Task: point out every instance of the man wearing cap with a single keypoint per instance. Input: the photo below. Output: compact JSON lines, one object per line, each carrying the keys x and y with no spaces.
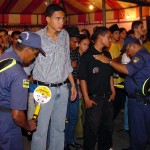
{"x":53,"y":71}
{"x":136,"y":71}
{"x":73,"y":107}
{"x":14,"y":89}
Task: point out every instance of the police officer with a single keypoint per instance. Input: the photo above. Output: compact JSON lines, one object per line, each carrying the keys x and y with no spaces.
{"x":137,"y":71}
{"x":14,"y":89}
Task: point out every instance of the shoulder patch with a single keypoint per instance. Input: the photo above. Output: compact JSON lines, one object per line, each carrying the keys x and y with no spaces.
{"x":25,"y":83}
{"x":136,"y":59}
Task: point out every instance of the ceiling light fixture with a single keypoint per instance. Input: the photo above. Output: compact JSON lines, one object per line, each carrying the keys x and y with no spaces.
{"x":91,"y":7}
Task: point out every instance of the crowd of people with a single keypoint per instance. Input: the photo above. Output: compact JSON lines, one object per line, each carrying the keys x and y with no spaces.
{"x":91,"y":78}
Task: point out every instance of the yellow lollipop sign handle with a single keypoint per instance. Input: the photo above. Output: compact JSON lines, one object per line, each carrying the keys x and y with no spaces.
{"x":42,"y":94}
{"x":36,"y":112}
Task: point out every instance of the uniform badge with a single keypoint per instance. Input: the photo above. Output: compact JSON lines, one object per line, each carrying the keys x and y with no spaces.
{"x":136,"y":59}
{"x":95,"y":70}
{"x":25,"y":83}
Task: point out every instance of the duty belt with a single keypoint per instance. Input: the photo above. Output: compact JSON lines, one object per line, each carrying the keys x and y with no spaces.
{"x":140,"y":98}
{"x":4,"y":109}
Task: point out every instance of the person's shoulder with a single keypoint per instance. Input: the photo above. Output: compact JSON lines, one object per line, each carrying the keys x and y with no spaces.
{"x":88,"y":53}
{"x":64,"y":32}
{"x":143,"y":51}
{"x":41,"y":31}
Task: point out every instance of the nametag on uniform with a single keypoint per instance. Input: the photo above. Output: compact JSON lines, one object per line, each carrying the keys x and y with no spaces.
{"x":95,"y":70}
{"x":25,"y":83}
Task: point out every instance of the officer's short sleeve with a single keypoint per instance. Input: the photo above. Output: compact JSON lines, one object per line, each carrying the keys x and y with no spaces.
{"x":135,"y":65}
{"x":83,"y":68}
{"x":19,"y":92}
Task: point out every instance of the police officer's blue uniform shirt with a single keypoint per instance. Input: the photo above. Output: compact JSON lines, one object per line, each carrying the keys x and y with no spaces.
{"x":13,"y":87}
{"x":139,"y":70}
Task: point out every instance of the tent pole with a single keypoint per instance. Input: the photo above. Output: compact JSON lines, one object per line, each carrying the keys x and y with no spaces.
{"x":104,"y":12}
{"x":140,"y":12}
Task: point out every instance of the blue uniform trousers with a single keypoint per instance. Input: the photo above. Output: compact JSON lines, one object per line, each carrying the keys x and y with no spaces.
{"x":139,"y":124}
{"x":10,"y":133}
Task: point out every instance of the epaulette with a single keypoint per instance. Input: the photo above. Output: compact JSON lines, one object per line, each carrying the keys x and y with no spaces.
{"x":8,"y":63}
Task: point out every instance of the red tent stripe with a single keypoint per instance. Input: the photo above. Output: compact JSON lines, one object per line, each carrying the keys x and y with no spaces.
{"x":6,"y":20}
{"x":71,"y":7}
{"x":1,"y":20}
{"x":13,"y":2}
{"x":82,"y":18}
{"x":2,"y":7}
{"x":32,"y":6}
{"x":113,"y":4}
{"x":43,"y":19}
{"x":98,"y":16}
{"x":25,"y":19}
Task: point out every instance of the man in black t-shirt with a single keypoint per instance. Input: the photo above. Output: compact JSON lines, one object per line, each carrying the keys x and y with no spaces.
{"x":96,"y":79}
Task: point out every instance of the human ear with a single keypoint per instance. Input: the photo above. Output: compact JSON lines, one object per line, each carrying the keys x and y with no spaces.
{"x":48,"y":19}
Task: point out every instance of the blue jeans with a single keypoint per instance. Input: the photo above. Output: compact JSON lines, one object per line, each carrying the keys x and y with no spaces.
{"x":72,"y":117}
{"x":52,"y":119}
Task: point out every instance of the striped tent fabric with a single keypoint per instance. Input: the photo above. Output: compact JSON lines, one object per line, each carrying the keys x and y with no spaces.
{"x":32,"y":11}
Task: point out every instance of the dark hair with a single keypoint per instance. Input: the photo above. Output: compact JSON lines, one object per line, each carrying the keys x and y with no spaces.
{"x":135,"y":24}
{"x":52,"y":8}
{"x":99,"y":31}
{"x":15,"y":33}
{"x":130,"y":32}
{"x":86,"y":32}
{"x":20,"y":46}
{"x":122,"y":29}
{"x":4,"y":30}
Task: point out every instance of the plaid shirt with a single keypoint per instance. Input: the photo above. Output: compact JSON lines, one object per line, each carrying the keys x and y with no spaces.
{"x":75,"y":56}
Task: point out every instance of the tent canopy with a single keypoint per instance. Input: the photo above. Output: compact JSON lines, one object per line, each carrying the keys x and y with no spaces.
{"x":70,"y":6}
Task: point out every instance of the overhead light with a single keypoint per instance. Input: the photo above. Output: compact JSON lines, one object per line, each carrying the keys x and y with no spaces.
{"x":46,"y":3}
{"x":91,"y":7}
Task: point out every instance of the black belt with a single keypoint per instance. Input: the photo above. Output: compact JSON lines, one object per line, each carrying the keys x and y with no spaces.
{"x":4,"y":109}
{"x":50,"y":84}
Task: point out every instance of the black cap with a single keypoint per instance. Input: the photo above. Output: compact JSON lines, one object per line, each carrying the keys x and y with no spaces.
{"x":114,"y":28}
{"x":73,"y":31}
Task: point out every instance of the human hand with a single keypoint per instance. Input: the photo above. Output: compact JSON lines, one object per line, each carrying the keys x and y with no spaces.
{"x":102,"y":58}
{"x":73,"y":93}
{"x":112,"y":97}
{"x":89,"y":103}
{"x":32,"y":125}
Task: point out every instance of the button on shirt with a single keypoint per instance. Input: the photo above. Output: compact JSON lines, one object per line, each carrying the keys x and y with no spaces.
{"x":12,"y":93}
{"x":55,"y":67}
{"x":139,"y":70}
{"x":96,"y":73}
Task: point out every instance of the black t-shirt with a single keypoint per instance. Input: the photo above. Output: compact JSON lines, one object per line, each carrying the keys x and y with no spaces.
{"x":95,"y":73}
